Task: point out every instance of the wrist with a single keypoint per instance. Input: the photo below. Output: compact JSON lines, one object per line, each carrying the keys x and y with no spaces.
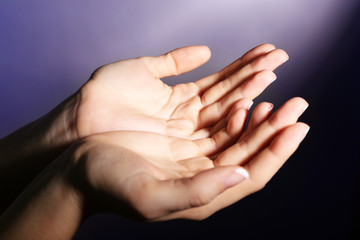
{"x":49,"y":208}
{"x":59,"y":125}
{"x":30,"y":149}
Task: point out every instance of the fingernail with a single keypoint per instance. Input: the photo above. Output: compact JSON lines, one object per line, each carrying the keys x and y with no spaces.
{"x":250,"y":104}
{"x":306,"y":131}
{"x":286,"y":58}
{"x":271,"y":107}
{"x":242,"y":172}
{"x":304,"y":108}
{"x":274,"y":78}
{"x":236,"y":177}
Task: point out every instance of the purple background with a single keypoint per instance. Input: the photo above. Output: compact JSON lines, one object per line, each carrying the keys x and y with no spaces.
{"x":48,"y":49}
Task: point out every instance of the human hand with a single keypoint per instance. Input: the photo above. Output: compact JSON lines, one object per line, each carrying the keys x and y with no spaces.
{"x":159,"y":174}
{"x":135,"y":174}
{"x":262,"y":149}
{"x":161,"y":177}
{"x":129,"y":94}
{"x":155,"y":177}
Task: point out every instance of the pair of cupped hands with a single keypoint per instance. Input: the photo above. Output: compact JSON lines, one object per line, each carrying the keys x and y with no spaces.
{"x":155,"y":152}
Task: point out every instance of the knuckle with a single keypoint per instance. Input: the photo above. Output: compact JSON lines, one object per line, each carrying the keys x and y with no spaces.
{"x":200,"y":198}
{"x":172,"y":61}
{"x":225,"y":84}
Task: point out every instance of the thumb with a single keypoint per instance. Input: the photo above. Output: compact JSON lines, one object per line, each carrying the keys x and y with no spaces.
{"x":177,"y":61}
{"x":201,"y":189}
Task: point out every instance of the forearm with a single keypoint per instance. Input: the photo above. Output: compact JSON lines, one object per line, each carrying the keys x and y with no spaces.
{"x":49,"y":208}
{"x":26,"y":152}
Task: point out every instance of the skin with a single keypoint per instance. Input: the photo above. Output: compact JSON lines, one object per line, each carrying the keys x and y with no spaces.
{"x":146,"y":150}
{"x":129,"y":95}
{"x":125,"y":173}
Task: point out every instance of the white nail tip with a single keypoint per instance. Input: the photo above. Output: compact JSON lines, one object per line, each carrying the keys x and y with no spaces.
{"x":250,"y":105}
{"x":242,"y":172}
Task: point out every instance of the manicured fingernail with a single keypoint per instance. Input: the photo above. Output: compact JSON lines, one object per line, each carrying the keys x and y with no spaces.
{"x":306,"y":131}
{"x":242,"y":172}
{"x":271,"y":76}
{"x":274,"y":79}
{"x":271,"y":107}
{"x":236,"y":177}
{"x":286,"y":58}
{"x":304,"y":108}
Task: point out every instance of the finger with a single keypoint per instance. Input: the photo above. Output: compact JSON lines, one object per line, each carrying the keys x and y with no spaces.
{"x":186,"y":193}
{"x":177,"y":61}
{"x":270,"y":61}
{"x":258,"y":51}
{"x":248,"y":58}
{"x":261,"y":169}
{"x":261,"y":113}
{"x":259,"y":138}
{"x":243,"y":103}
{"x":264,"y":165}
{"x":249,"y":89}
{"x":226,"y":136}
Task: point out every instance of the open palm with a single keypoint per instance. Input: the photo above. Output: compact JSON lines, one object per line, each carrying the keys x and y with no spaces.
{"x":158,"y":177}
{"x":129,"y":94}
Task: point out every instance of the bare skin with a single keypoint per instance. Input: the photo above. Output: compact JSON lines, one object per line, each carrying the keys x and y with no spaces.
{"x":129,"y":95}
{"x":154,"y":177}
{"x":148,"y":151}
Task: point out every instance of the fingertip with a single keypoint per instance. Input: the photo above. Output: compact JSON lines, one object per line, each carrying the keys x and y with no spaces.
{"x":305,"y":128}
{"x":300,"y":101}
{"x":284,"y":55}
{"x":267,"y":74}
{"x":267,"y":106}
{"x":245,"y":103}
{"x":263,"y":109}
{"x":197,"y":190}
{"x":265,"y":47}
{"x":205,"y":52}
{"x":243,"y":172}
{"x":235,"y":177}
{"x":185,"y":59}
{"x":202,"y":52}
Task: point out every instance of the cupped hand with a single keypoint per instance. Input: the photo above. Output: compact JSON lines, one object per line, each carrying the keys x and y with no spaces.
{"x":262,"y":149}
{"x":156,"y":177}
{"x":130,"y":95}
{"x":145,"y":176}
